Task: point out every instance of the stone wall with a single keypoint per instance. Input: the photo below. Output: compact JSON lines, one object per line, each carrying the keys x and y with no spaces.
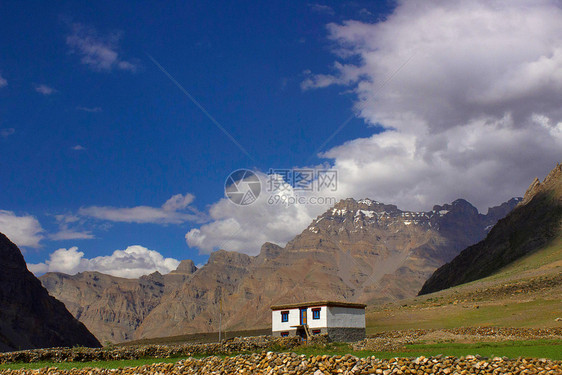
{"x":301,"y":333}
{"x":291,"y":363}
{"x":332,"y":334}
{"x":292,"y":332}
{"x":82,"y":354}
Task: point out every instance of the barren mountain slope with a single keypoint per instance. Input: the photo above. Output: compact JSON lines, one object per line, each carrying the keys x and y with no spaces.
{"x":29,"y":317}
{"x":113,"y":307}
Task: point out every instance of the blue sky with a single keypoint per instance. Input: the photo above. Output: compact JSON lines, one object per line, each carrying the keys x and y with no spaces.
{"x":89,"y":125}
{"x":143,"y":140}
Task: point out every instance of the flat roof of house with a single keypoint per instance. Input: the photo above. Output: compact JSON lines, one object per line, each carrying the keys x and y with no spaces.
{"x":319,"y":303}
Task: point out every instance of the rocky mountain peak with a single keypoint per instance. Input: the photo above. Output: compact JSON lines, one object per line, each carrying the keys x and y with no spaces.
{"x":552,"y":181}
{"x":185,"y":267}
{"x":359,"y":214}
{"x":463,"y":204}
{"x":154,"y":277}
{"x":555,"y":174}
{"x":503,"y":209}
{"x":359,"y":220}
{"x":459,"y":206}
{"x":531,"y":190}
{"x":270,"y":250}
{"x":223,"y":257}
{"x":11,"y":258}
{"x":351,"y":205}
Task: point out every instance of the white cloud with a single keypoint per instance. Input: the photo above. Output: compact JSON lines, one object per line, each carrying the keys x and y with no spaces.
{"x":78,"y":148}
{"x":3,"y":81}
{"x":175,"y":210}
{"x":69,"y":234}
{"x":322,"y":9}
{"x":65,"y":219}
{"x":461,"y":115}
{"x":6,"y":132}
{"x":89,"y":109}
{"x":45,"y":90}
{"x":468,"y":94}
{"x":70,"y":228}
{"x":21,"y":230}
{"x":365,"y":12}
{"x":348,"y":75}
{"x":132,"y":262}
{"x":246,"y":228}
{"x":99,"y":53}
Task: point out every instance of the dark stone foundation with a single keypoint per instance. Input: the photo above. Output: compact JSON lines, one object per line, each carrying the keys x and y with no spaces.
{"x":292,"y":332}
{"x":334,"y":334}
{"x":346,"y":334}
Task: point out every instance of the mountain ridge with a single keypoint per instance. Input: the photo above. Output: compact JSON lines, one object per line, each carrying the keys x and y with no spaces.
{"x":358,"y":250}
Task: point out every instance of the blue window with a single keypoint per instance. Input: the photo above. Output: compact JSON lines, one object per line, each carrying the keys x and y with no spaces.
{"x":315,"y":313}
{"x":284,"y":316}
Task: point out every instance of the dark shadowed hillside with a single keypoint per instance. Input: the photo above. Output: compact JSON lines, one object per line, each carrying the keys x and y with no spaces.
{"x":29,"y":317}
{"x":531,"y":225}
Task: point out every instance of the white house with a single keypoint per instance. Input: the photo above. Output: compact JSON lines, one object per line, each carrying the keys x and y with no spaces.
{"x":341,"y":321}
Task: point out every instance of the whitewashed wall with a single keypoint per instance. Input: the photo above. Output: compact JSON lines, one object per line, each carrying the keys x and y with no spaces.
{"x":294,"y":319}
{"x":320,"y":323}
{"x":277,"y":325}
{"x":339,"y":317}
{"x":346,"y":317}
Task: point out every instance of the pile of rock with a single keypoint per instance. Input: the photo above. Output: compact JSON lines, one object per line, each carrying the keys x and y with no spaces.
{"x":290,"y":363}
{"x":397,"y":340}
{"x":527,"y":333}
{"x":390,"y":341}
{"x":81,"y":354}
{"x":509,"y":332}
{"x":532,"y":285}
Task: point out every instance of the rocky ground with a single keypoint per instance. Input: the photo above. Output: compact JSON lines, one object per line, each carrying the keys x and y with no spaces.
{"x":517,"y":288}
{"x":290,"y":363}
{"x":396,"y":340}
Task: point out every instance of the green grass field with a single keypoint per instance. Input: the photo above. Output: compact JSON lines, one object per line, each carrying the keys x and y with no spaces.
{"x":551,"y":349}
{"x":530,"y":309}
{"x":536,"y":313}
{"x":207,"y":337}
{"x":98,"y":364}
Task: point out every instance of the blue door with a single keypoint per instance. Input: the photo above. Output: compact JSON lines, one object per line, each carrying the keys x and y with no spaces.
{"x":303,"y":316}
